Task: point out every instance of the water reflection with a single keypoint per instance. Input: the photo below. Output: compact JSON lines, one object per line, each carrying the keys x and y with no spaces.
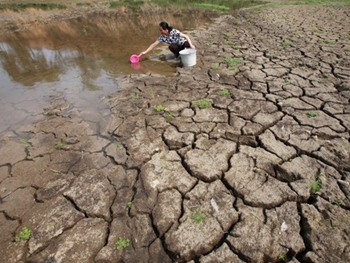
{"x":78,"y":56}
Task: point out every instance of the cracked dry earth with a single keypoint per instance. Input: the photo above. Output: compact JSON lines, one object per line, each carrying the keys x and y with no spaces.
{"x":227,"y":183}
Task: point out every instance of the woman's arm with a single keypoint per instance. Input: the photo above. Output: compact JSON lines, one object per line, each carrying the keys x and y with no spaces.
{"x":188,"y":39}
{"x":152,"y":46}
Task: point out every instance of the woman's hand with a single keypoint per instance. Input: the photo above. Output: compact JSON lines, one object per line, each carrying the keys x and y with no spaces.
{"x":192,"y":46}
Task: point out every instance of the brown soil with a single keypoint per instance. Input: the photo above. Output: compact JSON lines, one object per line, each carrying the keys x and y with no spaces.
{"x":14,"y":21}
{"x":261,"y":175}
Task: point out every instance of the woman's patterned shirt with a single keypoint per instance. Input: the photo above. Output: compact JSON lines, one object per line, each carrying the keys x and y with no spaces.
{"x":173,"y":38}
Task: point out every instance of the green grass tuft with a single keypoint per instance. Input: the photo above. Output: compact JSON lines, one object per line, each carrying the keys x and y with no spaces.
{"x":316,"y":185}
{"x":212,"y":6}
{"x":198,"y":216}
{"x":25,"y":234}
{"x":169,"y":115}
{"x":286,"y":44}
{"x":159,"y":108}
{"x":224,"y":92}
{"x":202,"y":104}
{"x":61,"y":144}
{"x":232,"y":63}
{"x":23,"y":6}
{"x":122,"y":243}
{"x":311,"y":114}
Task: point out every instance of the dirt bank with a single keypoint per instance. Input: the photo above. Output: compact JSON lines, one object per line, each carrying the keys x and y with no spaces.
{"x":11,"y":21}
{"x":241,"y":158}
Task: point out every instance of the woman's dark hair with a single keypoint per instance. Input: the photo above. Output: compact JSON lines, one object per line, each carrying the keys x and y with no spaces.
{"x":166,"y":26}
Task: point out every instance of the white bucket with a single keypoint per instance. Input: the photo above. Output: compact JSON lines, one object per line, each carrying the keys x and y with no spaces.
{"x":188,"y":57}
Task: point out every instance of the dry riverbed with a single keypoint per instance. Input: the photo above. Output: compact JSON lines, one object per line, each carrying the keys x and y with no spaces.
{"x":244,"y":157}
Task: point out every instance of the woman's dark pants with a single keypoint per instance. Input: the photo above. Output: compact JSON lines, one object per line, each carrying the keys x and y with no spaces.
{"x":176,"y":48}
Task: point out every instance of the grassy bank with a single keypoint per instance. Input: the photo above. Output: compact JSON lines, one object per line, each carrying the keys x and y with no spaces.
{"x":23,"y":6}
{"x":221,"y":5}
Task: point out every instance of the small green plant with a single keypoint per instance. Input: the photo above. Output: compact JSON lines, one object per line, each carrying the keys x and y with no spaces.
{"x":198,"y":216}
{"x":159,"y":108}
{"x":224,"y":92}
{"x":318,"y":30}
{"x":169,"y":115}
{"x":61,"y":144}
{"x":232,"y":63}
{"x":26,"y":144}
{"x":311,"y":114}
{"x":316,"y":185}
{"x":55,"y":171}
{"x":281,"y":256}
{"x":151,"y":92}
{"x":135,"y":96}
{"x":215,"y":67}
{"x":286,"y":44}
{"x":122,"y":243}
{"x":287,"y":80}
{"x":129,"y":205}
{"x":202,"y":104}
{"x":338,"y":202}
{"x":119,"y":144}
{"x":25,"y":234}
{"x":85,"y":31}
{"x":164,"y":162}
{"x":237,"y":47}
{"x":347,"y":36}
{"x":328,"y":41}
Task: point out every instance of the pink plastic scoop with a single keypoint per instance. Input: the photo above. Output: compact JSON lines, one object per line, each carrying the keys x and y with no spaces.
{"x":135,"y":58}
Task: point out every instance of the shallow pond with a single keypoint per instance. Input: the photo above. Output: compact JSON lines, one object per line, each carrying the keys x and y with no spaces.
{"x":82,"y":59}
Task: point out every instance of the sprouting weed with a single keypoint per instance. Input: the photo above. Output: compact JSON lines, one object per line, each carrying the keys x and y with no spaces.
{"x":135,"y":96}
{"x":61,"y":144}
{"x":198,"y":216}
{"x":122,"y":243}
{"x":224,"y":92}
{"x":159,"y":108}
{"x":281,"y":256}
{"x":202,"y":104}
{"x":285,"y":44}
{"x":25,"y":143}
{"x":232,"y":63}
{"x":169,"y":115}
{"x":311,"y":114}
{"x":328,"y":41}
{"x":25,"y":234}
{"x":316,"y":185}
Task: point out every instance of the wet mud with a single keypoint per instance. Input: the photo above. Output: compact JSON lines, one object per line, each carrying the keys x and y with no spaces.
{"x":80,"y":57}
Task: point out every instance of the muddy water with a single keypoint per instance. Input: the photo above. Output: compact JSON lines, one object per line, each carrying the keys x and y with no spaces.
{"x":82,"y":59}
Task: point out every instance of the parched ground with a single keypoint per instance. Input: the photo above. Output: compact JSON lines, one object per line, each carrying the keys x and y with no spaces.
{"x":261,"y":173}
